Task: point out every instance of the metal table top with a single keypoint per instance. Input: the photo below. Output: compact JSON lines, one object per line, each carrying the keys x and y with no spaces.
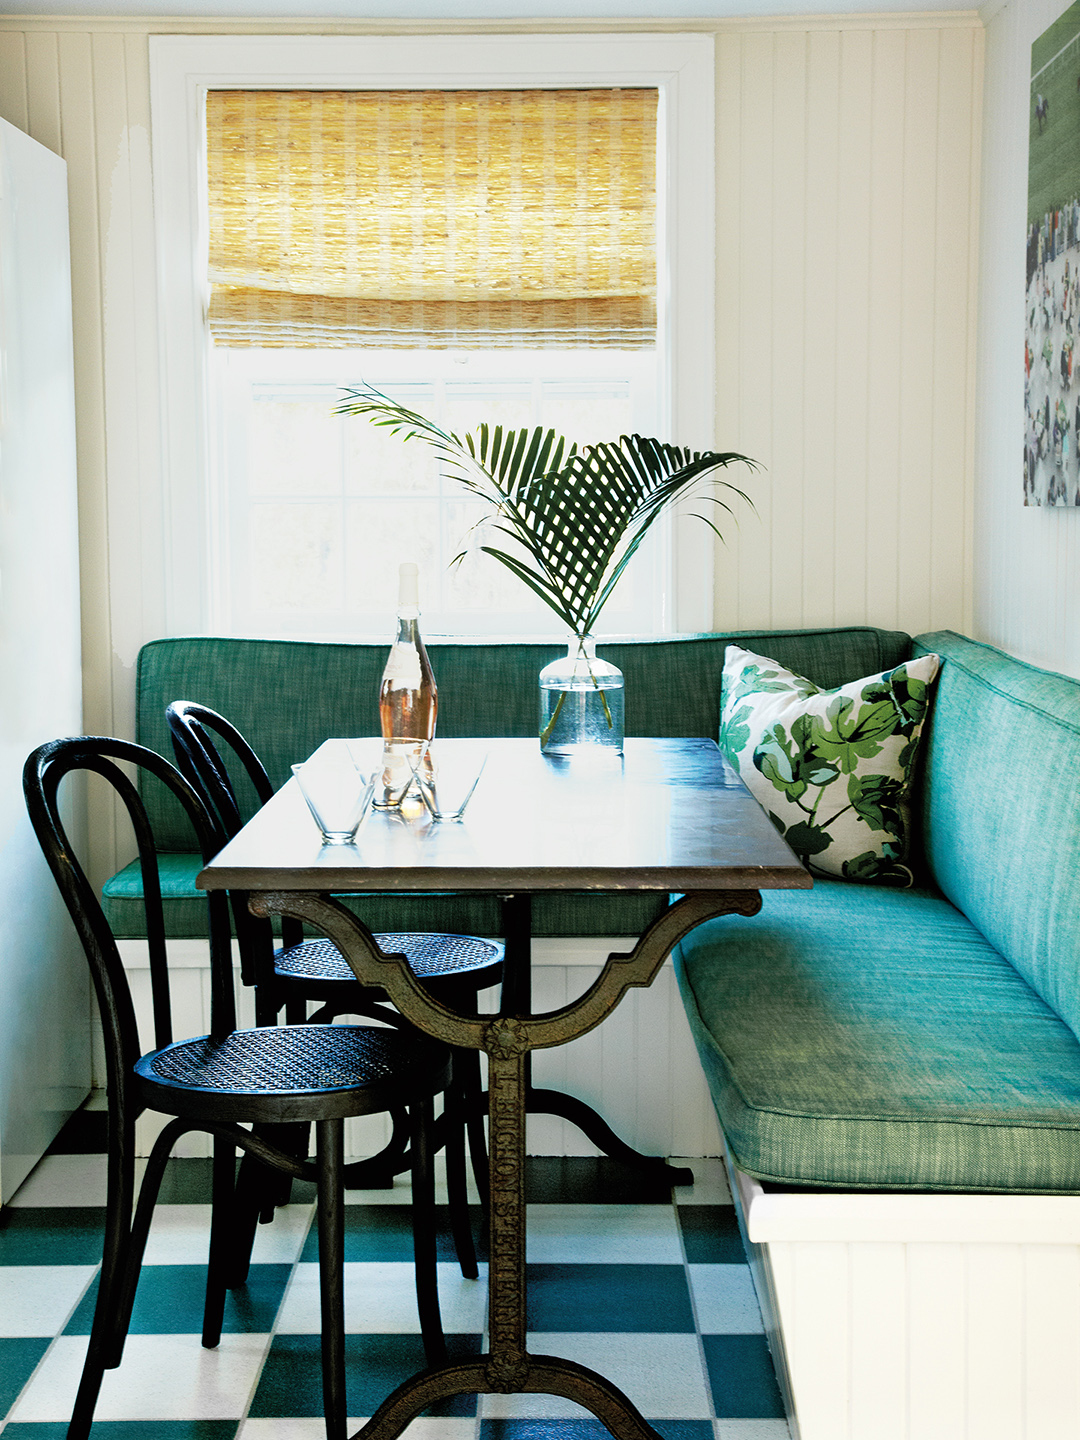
{"x":668,"y":815}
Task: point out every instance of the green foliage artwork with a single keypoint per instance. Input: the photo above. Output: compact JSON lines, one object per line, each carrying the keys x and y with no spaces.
{"x":1052,"y":410}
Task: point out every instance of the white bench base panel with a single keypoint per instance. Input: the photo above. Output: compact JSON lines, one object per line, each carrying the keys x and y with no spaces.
{"x":919,"y":1316}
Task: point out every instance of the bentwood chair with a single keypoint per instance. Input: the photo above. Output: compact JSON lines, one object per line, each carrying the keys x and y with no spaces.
{"x":270,"y":1076}
{"x":455,"y":968}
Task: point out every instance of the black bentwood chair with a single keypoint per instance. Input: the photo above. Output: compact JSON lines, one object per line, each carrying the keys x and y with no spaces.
{"x":454,"y":968}
{"x":274,"y":1075}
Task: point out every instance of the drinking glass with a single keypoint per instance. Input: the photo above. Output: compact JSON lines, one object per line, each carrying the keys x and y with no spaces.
{"x":447,"y":773}
{"x":337,"y":794}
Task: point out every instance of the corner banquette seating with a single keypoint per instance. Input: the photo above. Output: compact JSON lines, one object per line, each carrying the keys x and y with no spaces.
{"x":896,"y":1072}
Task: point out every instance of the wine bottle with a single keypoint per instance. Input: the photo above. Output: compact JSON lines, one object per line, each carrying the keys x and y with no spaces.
{"x":408,"y":697}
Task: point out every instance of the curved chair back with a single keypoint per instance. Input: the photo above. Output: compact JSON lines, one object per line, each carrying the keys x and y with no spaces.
{"x":200,"y":760}
{"x":43,"y":772}
{"x":192,"y":729}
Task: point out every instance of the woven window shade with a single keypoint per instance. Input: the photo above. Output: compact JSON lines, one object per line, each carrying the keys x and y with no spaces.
{"x":430,"y":218}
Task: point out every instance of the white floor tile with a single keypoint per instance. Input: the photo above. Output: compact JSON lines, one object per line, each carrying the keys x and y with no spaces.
{"x":710,"y":1185}
{"x":39,"y":1299}
{"x":380,"y":1298}
{"x":724,"y":1300}
{"x":661,"y":1374}
{"x":180,"y":1235}
{"x":752,"y":1430}
{"x":162,"y":1377}
{"x":64,"y":1180}
{"x":603,"y":1235}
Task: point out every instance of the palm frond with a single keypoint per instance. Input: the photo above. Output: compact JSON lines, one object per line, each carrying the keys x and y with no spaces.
{"x":577,"y":516}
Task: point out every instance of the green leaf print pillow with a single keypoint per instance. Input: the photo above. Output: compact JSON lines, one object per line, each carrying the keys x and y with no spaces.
{"x":831,"y":768}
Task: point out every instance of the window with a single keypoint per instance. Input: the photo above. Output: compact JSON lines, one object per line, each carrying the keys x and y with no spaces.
{"x":274,"y":478}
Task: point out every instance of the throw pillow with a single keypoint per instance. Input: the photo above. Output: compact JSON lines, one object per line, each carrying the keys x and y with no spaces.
{"x":831,"y":768}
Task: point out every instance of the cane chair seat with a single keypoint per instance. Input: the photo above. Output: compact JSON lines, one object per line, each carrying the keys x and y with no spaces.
{"x":432,"y":957}
{"x":279,"y":1074}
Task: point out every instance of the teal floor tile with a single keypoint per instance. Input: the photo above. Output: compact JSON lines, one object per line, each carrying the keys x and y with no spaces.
{"x":711,"y":1235}
{"x":742,"y":1377}
{"x":48,"y":1235}
{"x":18,"y":1360}
{"x":650,"y":1298}
{"x":169,"y":1301}
{"x":130,"y":1430}
{"x":375,"y":1365}
{"x":587,"y":1429}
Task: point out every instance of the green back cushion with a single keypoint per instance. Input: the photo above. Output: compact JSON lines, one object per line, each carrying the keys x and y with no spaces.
{"x":286,"y":697}
{"x":1001,"y":801}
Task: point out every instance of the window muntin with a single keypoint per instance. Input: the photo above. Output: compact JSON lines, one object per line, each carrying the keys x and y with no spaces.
{"x":316,"y":511}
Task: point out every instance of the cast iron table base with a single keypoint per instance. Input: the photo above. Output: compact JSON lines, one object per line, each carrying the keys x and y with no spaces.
{"x":507,"y":1039}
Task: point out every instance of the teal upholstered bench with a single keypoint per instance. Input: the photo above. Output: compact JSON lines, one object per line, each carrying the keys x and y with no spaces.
{"x":287,"y":697}
{"x":859,"y":1041}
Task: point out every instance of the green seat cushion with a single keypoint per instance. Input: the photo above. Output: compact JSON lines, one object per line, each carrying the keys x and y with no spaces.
{"x":463,"y":913}
{"x":864,"y":1037}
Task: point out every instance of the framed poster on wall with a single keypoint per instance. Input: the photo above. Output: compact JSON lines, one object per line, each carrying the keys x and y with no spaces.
{"x":1051,"y":379}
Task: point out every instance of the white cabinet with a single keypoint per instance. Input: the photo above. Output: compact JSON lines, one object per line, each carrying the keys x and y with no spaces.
{"x":44,"y":1000}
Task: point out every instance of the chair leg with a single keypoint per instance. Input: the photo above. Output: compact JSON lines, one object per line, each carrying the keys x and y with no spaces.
{"x":467,"y":1072}
{"x":423,"y":1220}
{"x":104,"y":1339}
{"x":221,"y":1237}
{"x":125,"y":1241}
{"x":244,"y":1215}
{"x":456,"y":1184}
{"x":330,"y":1151}
{"x":377,"y":1171}
{"x":258,"y":1190}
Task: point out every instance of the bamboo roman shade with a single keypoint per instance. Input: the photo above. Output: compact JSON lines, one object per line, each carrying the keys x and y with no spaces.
{"x":432,"y":218}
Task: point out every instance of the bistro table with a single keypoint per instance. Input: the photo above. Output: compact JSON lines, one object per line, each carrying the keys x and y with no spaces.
{"x":669,"y":816}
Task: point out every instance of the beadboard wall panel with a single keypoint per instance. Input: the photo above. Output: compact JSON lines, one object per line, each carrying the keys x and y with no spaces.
{"x":85,"y":94}
{"x":846,"y":270}
{"x":847,"y":158}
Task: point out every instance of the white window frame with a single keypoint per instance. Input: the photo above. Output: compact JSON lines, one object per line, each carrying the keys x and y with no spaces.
{"x":183,"y":68}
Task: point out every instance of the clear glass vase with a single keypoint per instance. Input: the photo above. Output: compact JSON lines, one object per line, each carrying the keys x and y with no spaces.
{"x":581,"y":703}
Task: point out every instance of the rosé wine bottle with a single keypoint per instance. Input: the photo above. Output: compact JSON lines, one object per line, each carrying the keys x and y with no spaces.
{"x":408,"y":698}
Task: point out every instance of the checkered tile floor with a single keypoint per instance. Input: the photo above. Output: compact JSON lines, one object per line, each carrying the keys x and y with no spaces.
{"x":654,"y":1294}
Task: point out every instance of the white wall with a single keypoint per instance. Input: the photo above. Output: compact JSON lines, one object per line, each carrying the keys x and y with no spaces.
{"x":44,"y":983}
{"x":1027,"y":568}
{"x":847,"y":164}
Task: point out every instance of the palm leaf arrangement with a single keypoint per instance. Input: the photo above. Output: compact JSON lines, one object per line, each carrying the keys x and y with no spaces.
{"x":576,"y":516}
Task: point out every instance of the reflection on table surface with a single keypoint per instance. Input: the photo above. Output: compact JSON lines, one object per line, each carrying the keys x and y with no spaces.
{"x":668,"y":815}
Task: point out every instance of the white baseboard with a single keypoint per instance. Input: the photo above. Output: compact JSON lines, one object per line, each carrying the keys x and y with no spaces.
{"x":920,"y":1316}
